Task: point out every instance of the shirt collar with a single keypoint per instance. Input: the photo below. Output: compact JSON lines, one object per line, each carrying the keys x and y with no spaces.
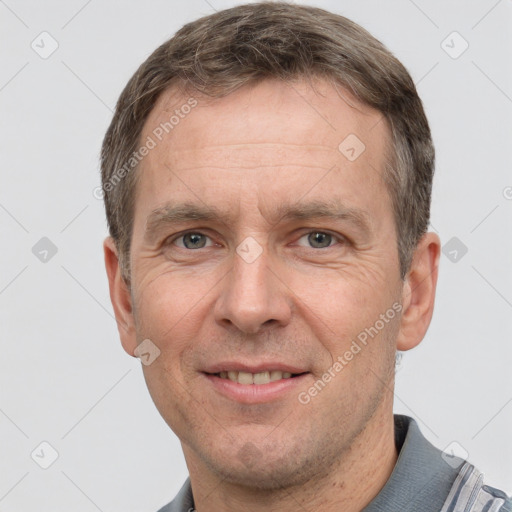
{"x":421,"y":478}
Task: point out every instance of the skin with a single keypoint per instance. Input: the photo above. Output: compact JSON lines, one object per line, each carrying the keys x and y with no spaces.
{"x":301,"y":301}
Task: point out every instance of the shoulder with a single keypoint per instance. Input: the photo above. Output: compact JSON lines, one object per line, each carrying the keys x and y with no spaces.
{"x":469,"y":492}
{"x":183,"y":502}
{"x":428,"y":479}
{"x":499,"y":495}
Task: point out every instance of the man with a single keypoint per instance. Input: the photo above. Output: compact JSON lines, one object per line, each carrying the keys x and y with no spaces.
{"x":267,"y":180}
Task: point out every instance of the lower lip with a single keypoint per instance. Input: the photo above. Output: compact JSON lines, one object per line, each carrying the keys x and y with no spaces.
{"x":256,"y":393}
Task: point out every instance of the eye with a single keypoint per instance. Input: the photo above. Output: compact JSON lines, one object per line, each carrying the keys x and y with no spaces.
{"x":320,"y":239}
{"x":191,"y":240}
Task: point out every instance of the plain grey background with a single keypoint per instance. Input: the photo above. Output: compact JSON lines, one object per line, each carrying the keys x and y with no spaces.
{"x":64,"y":378}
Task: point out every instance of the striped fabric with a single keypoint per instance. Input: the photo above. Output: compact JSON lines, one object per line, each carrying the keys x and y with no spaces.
{"x":469,"y":494}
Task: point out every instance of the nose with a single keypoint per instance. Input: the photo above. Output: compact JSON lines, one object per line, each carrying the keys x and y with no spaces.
{"x":252,"y":296}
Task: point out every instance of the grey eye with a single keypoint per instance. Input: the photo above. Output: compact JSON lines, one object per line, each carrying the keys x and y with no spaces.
{"x":194,"y":240}
{"x":319,"y":239}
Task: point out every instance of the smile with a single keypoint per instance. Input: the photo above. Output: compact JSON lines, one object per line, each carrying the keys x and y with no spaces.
{"x":256,"y":388}
{"x":255,"y":378}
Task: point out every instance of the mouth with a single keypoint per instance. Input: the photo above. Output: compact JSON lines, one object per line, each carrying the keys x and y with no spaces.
{"x":258,"y":379}
{"x":259,"y":386}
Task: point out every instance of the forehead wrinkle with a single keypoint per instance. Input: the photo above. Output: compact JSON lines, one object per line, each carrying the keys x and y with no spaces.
{"x":255,"y":166}
{"x":315,"y":209}
{"x":268,"y":151}
{"x":170,"y":213}
{"x":242,"y":145}
{"x":236,"y":156}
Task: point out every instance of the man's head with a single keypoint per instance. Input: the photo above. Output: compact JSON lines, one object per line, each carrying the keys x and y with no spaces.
{"x":218,"y":54}
{"x":277,"y":224}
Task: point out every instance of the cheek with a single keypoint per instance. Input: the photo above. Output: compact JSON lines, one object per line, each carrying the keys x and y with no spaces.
{"x":344,"y":306}
{"x":168,"y":308}
{"x":339,"y":299}
{"x":170,"y":312}
{"x":171,"y":396}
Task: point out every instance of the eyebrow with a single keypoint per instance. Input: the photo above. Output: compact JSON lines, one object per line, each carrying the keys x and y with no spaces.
{"x":171,"y":214}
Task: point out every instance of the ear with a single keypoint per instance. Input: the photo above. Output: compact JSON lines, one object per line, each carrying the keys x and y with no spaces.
{"x":419,"y":291}
{"x":120,"y":297}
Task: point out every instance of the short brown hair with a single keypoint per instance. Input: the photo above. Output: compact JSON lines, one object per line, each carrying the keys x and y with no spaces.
{"x":219,"y":53}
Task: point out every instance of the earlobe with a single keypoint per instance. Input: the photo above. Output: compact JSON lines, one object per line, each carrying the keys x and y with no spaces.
{"x":418,"y":292}
{"x":120,"y":297}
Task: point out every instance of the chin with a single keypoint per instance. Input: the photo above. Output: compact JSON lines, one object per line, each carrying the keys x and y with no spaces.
{"x":268,"y":468}
{"x":262,"y":477}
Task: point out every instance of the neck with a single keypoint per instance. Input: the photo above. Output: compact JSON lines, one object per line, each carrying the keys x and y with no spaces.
{"x":350,"y":485}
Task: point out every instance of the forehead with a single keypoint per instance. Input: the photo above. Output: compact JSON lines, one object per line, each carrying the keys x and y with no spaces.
{"x":290,"y":133}
{"x":317,"y":112}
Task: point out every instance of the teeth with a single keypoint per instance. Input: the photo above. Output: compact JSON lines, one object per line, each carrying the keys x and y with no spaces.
{"x":275,"y":375}
{"x":245,"y":378}
{"x":261,"y":378}
{"x":255,"y":378}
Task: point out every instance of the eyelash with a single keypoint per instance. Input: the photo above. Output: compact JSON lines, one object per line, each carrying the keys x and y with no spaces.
{"x":339,"y":238}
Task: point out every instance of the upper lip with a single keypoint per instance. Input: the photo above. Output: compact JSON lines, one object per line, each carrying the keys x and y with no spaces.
{"x":234,"y":366}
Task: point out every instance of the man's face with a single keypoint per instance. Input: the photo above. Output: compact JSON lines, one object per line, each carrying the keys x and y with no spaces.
{"x":270,"y":283}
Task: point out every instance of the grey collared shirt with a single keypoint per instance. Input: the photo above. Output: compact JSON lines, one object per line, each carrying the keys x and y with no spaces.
{"x":424,"y":480}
